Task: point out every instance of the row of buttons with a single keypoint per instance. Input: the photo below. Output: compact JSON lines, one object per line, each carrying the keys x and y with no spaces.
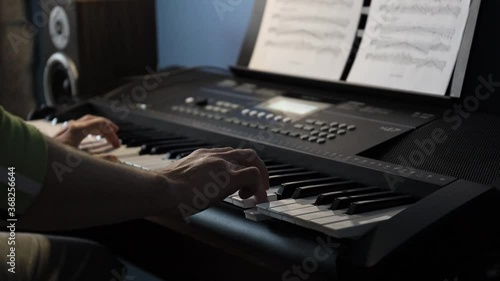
{"x":314,"y":136}
{"x":196,"y":112}
{"x":325,"y":129}
{"x":227,"y":104}
{"x":253,"y":125}
{"x":317,"y":137}
{"x":266,"y":115}
{"x":190,"y":110}
{"x":208,"y":115}
{"x":324,"y":125}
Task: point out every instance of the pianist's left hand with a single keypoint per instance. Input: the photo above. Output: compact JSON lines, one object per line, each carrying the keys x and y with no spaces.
{"x":77,"y":130}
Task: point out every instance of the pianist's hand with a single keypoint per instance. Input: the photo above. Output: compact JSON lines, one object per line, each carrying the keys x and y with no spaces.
{"x":77,"y":130}
{"x":208,"y":176}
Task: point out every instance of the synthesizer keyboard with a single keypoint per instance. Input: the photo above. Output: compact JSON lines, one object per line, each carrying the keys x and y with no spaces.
{"x":325,"y":203}
{"x":322,"y":185}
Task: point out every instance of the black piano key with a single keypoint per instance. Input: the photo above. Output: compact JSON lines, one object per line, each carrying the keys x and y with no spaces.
{"x":139,"y":141}
{"x":163,"y":140}
{"x":279,"y":179}
{"x":268,"y":162}
{"x":329,"y":197}
{"x":125,"y":138}
{"x":278,"y":167}
{"x":287,"y":189}
{"x":286,"y":171}
{"x":146,"y":148}
{"x":315,"y":190}
{"x":166,"y":148}
{"x":379,"y":204}
{"x":137,"y":131}
{"x":122,"y":123}
{"x":345,"y":202}
{"x":128,"y":127}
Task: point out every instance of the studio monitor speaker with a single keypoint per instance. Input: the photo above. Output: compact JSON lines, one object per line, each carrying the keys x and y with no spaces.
{"x":89,"y":44}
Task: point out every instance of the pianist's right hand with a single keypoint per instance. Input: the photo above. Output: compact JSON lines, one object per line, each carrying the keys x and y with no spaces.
{"x":210,"y":175}
{"x":83,"y":191}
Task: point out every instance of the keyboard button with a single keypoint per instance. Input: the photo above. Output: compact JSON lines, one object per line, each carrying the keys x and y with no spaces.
{"x":351,"y":128}
{"x":262,"y":127}
{"x":321,"y":141}
{"x":308,"y":128}
{"x":331,"y":136}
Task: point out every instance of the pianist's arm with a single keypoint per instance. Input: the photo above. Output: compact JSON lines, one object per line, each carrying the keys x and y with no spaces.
{"x":60,"y":188}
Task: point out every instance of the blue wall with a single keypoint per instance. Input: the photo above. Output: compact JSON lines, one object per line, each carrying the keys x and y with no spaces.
{"x":201,"y":32}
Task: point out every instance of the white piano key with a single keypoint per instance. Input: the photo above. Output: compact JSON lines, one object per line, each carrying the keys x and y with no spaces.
{"x":254,"y":215}
{"x":46,"y":127}
{"x":277,"y":203}
{"x":250,"y":202}
{"x":105,"y":149}
{"x":278,"y":211}
{"x":266,"y":207}
{"x":358,"y":225}
{"x":144,"y":159}
{"x":305,"y":220}
{"x":229,"y":199}
{"x":124,"y":151}
{"x":289,"y":216}
{"x":91,"y":143}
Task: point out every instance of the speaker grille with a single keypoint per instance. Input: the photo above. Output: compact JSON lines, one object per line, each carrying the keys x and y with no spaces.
{"x":471,"y":151}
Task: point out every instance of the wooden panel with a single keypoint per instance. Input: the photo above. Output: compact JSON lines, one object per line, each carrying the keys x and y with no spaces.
{"x":116,"y":39}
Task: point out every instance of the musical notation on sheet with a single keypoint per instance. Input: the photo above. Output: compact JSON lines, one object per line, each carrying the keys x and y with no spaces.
{"x":307,"y":38}
{"x":411,"y":46}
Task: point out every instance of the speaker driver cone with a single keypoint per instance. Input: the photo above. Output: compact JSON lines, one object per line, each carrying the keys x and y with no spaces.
{"x":60,"y":80}
{"x":59,"y":28}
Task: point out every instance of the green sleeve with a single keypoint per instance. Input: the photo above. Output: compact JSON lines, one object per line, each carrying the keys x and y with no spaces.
{"x":23,"y":151}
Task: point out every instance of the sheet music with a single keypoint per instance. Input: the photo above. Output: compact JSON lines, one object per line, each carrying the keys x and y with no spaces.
{"x":411,"y":45}
{"x":307,"y":38}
